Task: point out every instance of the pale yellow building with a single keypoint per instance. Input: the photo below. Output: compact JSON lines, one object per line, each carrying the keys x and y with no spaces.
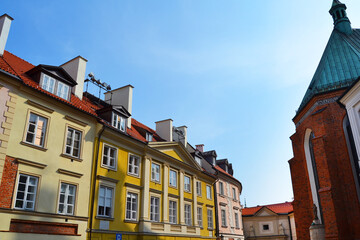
{"x":46,"y":148}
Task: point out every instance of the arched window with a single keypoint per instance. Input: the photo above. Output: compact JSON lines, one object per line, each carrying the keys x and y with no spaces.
{"x":352,"y":152}
{"x":343,"y":13}
{"x":312,"y":170}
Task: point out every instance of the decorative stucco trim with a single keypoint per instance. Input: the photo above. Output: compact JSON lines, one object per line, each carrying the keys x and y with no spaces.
{"x":42,"y":107}
{"x":69,"y":173}
{"x":74,"y":120}
{"x":31,"y":163}
{"x":107,"y":179}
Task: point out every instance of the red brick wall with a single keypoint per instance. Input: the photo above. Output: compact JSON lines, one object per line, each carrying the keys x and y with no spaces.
{"x":8,"y":182}
{"x":338,"y":197}
{"x":27,"y":226}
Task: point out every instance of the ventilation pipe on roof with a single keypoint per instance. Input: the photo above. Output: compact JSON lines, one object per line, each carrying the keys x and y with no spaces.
{"x":76,"y":68}
{"x":164,"y":129}
{"x":180,"y":134}
{"x":5,"y":23}
{"x":121,"y":97}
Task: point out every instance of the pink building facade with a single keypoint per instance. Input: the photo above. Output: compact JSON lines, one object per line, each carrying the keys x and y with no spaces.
{"x":228,"y":190}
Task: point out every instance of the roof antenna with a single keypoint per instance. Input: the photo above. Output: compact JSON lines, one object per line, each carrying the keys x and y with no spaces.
{"x":245,"y":202}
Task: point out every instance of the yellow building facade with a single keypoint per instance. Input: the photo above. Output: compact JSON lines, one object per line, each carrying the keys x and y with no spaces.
{"x":147,"y":189}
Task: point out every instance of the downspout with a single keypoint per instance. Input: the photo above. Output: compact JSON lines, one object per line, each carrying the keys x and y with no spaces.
{"x":216,"y":212}
{"x":291,"y":237}
{"x":94,"y":181}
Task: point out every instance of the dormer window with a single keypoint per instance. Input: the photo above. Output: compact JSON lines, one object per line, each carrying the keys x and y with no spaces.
{"x":198,"y":160}
{"x":119,"y":122}
{"x":56,"y":87}
{"x":149,"y":137}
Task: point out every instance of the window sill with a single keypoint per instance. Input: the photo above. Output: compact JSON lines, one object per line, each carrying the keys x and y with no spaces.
{"x":210,"y":229}
{"x":156,"y":182}
{"x":187,"y":191}
{"x":131,"y":221}
{"x":71,"y":157}
{"x":108,"y":168}
{"x":173,"y":187}
{"x":33,"y":146}
{"x":105,"y":218}
{"x":133,"y":175}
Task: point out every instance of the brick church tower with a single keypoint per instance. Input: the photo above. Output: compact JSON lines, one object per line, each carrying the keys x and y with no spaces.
{"x":322,"y":170}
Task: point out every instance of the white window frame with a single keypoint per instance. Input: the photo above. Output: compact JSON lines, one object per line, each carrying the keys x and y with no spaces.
{"x":154,"y":208}
{"x":72,"y":142}
{"x":149,"y":136}
{"x":221,"y":188}
{"x":187,"y":186}
{"x":108,"y":165}
{"x":26,"y":192}
{"x":199,"y":216}
{"x":35,"y":133}
{"x":237,"y":223}
{"x":223,"y":217}
{"x":172,"y":179}
{"x":132,"y":167}
{"x":56,"y":88}
{"x":157,"y":175}
{"x":208,"y":192}
{"x":66,"y":198}
{"x":133,"y":210}
{"x":199,"y":188}
{"x":118,"y":122}
{"x":173,"y":219}
{"x":187,"y":215}
{"x":106,"y":186}
{"x":210,"y":219}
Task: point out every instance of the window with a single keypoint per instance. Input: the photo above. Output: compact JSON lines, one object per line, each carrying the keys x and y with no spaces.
{"x":237,"y":225}
{"x":56,"y":87}
{"x":109,"y":157}
{"x":119,"y":122}
{"x":223,"y":218}
{"x":62,"y":90}
{"x":134,"y":165}
{"x":234,"y":193}
{"x":155,"y":209}
{"x":73,"y":143}
{"x":173,"y":212}
{"x":208,"y":192}
{"x":48,"y":84}
{"x":67,"y":199}
{"x":26,"y":192}
{"x":149,"y":136}
{"x":131,"y":206}
{"x":198,"y":188}
{"x":105,"y":201}
{"x":187,"y":186}
{"x":210,"y":218}
{"x":36,"y":130}
{"x":266,"y":227}
{"x":199,"y":217}
{"x":155,"y":172}
{"x":198,"y":160}
{"x":188,"y":214}
{"x":221,"y":188}
{"x":173,"y":178}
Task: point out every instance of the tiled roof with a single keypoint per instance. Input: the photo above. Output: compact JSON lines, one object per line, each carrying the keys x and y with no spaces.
{"x":339,"y":66}
{"x":18,"y":67}
{"x":224,"y":172}
{"x":279,"y":208}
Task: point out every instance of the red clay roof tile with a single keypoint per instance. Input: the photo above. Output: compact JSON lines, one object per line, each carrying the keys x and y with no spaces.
{"x":279,"y":208}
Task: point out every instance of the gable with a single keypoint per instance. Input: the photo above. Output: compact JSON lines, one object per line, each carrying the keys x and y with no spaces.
{"x":263,"y":212}
{"x":177,"y":151}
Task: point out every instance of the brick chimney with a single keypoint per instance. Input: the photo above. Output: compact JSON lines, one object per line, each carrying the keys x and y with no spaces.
{"x":121,"y":97}
{"x":76,"y":68}
{"x":164,"y":129}
{"x":200,"y":147}
{"x":5,"y":23}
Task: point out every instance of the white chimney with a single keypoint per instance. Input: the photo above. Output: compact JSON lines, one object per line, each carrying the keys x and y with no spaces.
{"x":121,"y":97}
{"x":164,"y":129}
{"x":5,"y":23}
{"x":76,"y":68}
{"x":180,"y":134}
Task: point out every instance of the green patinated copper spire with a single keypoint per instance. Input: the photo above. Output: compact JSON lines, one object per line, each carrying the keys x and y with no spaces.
{"x":339,"y":66}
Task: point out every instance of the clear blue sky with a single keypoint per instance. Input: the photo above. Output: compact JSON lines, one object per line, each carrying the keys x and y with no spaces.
{"x":233,"y":71}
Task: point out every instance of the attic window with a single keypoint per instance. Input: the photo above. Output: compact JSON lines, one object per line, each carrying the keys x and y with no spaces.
{"x":266,"y":227}
{"x":149,"y":136}
{"x":198,"y":160}
{"x":118,"y":122}
{"x":56,"y":87}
